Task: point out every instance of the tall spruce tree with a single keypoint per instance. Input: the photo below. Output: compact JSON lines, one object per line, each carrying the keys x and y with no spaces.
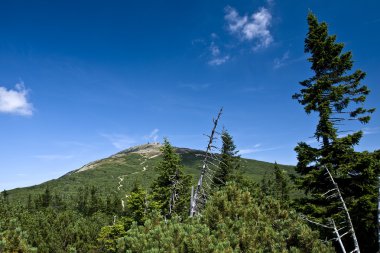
{"x":171,"y":188}
{"x":276,"y":184}
{"x":229,"y":161}
{"x":336,"y":94}
{"x":281,"y":184}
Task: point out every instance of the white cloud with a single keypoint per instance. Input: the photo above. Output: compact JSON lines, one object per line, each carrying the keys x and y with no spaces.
{"x":215,"y":51}
{"x":280,"y":62}
{"x":247,"y":151}
{"x":365,"y":130}
{"x":120,"y":141}
{"x":219,"y":60}
{"x":250,"y":150}
{"x":257,"y":145}
{"x":256,"y":149}
{"x":216,"y":57}
{"x":371,"y":130}
{"x":15,"y":101}
{"x":253,"y":28}
{"x":153,"y":135}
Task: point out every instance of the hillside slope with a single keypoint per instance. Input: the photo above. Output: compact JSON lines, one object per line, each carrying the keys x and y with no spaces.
{"x":118,"y":172}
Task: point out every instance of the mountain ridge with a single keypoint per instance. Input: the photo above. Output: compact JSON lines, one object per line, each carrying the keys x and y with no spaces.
{"x":135,"y":164}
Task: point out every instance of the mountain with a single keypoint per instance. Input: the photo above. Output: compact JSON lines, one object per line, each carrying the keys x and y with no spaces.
{"x":118,"y":172}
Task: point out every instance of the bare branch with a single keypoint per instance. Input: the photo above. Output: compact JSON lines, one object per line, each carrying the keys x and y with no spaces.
{"x":352,"y":231}
{"x":195,"y":204}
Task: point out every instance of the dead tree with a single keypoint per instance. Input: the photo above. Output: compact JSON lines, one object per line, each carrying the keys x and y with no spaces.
{"x":335,"y":193}
{"x":175,"y":186}
{"x":199,"y":194}
{"x":331,"y":226}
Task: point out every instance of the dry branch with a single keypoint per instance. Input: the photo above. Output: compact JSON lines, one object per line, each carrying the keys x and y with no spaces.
{"x":199,"y":195}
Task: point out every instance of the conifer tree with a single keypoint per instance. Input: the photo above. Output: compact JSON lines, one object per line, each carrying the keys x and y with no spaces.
{"x":336,"y":94}
{"x":229,"y":160}
{"x":276,"y":184}
{"x":266,"y":185}
{"x":139,"y":205}
{"x":44,"y":199}
{"x":281,"y":181}
{"x":171,"y":187}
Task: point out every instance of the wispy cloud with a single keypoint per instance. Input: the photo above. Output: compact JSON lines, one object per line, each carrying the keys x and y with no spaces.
{"x":286,"y":60}
{"x":52,"y":157}
{"x":15,"y":101}
{"x":250,"y":28}
{"x":371,"y":130}
{"x":216,"y":56}
{"x":365,"y":130}
{"x":120,"y":141}
{"x":218,"y":60}
{"x":257,"y":148}
{"x":153,"y":136}
{"x":280,"y":62}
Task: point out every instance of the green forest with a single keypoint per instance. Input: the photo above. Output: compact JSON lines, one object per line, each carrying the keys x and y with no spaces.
{"x":217,"y":201}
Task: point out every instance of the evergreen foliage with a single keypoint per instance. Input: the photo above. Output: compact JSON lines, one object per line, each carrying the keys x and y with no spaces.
{"x":281,"y":184}
{"x":336,"y":94}
{"x":229,"y":161}
{"x":108,"y":237}
{"x":171,"y":188}
{"x":92,"y":219}
{"x":139,"y":205}
{"x":36,"y":228}
{"x":277,"y":185}
{"x":234,"y":220}
{"x":14,"y":239}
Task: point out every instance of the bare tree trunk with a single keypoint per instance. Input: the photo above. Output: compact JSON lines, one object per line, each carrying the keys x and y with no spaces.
{"x":174,"y":196}
{"x":196,"y":198}
{"x":332,"y":193}
{"x":338,"y":236}
{"x":333,"y":227}
{"x":191,"y":199}
{"x":352,"y":231}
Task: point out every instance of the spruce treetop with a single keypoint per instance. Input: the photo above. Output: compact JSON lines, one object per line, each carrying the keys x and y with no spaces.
{"x":335,"y":92}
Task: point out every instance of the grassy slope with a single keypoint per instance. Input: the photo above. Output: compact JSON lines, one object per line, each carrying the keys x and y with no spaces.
{"x":107,"y":171}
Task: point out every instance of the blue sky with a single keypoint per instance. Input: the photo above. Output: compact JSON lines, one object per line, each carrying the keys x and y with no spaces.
{"x":81,"y":80}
